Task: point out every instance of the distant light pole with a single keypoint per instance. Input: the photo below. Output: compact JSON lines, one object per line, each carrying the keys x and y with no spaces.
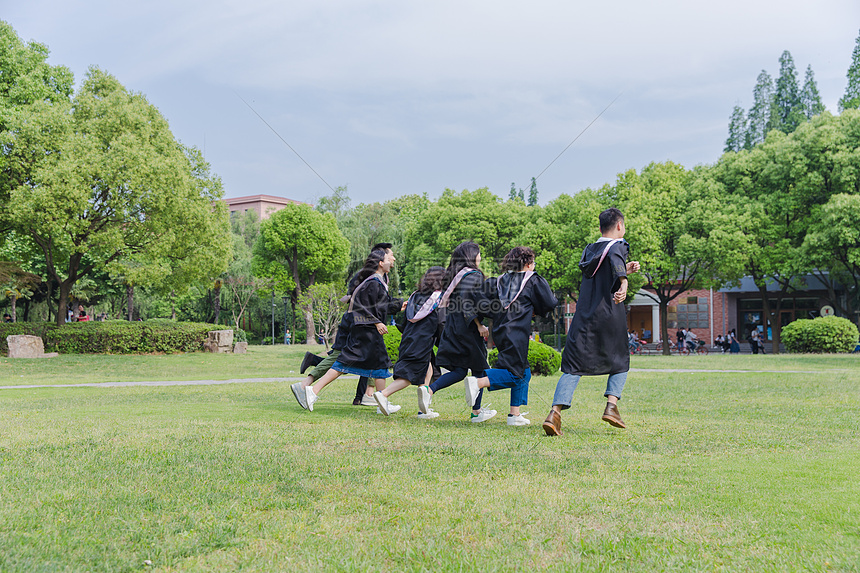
{"x":284,"y":298}
{"x":273,"y":317}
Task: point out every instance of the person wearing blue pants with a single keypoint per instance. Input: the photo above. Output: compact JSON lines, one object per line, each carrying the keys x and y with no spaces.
{"x":597,"y":338}
{"x":516,"y":297}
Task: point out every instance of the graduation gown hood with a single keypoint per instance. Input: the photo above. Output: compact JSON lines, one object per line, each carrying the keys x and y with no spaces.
{"x":521,"y":295}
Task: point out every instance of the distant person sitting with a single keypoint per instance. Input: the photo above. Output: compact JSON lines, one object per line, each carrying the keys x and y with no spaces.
{"x":7,"y":317}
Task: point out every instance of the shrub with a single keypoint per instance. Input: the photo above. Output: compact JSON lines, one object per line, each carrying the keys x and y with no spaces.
{"x":822,"y":334}
{"x":543,"y":360}
{"x":122,"y":337}
{"x":392,"y":343}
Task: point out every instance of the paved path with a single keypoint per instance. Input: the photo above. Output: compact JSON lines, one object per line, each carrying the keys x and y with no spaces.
{"x":294,"y":379}
{"x":155,"y":383}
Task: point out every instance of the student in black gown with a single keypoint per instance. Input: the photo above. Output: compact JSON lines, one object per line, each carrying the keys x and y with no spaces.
{"x":319,"y":365}
{"x":414,"y":362}
{"x":519,"y":294}
{"x":463,"y":344}
{"x":597,"y":338}
{"x":364,"y":352}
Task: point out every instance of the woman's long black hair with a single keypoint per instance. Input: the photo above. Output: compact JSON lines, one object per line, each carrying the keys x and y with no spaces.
{"x":371,"y":264}
{"x":464,"y":255}
{"x":433,"y":280}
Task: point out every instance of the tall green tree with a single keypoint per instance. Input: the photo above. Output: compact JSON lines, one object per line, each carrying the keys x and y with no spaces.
{"x":738,"y":137}
{"x":559,"y":233}
{"x":676,"y":230}
{"x":851,"y":97}
{"x":337,"y":203}
{"x":297,"y":248}
{"x":533,"y":193}
{"x":786,"y":97}
{"x":108,"y":183}
{"x":26,"y":79}
{"x":762,"y":115}
{"x":832,"y":250}
{"x":810,"y":98}
{"x":778,"y":189}
{"x":477,"y":216}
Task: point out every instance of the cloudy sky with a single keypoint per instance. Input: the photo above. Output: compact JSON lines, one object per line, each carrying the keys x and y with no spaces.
{"x":395,"y":97}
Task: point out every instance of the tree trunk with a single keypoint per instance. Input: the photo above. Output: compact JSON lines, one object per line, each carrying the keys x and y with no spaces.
{"x":49,"y":299}
{"x":129,"y":295}
{"x":13,"y":302}
{"x":216,"y":302}
{"x":172,"y":305}
{"x":63,"y":304}
{"x":309,"y":325}
{"x":27,"y":310}
{"x":664,"y":327}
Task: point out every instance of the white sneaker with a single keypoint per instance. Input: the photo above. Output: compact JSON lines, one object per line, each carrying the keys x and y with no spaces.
{"x":310,"y":397}
{"x":384,"y":405}
{"x":392,"y":408}
{"x":483,"y":415}
{"x":424,"y":399}
{"x":520,"y":420}
{"x":472,"y":390}
{"x":429,"y":415}
{"x":299,"y":393}
{"x":368,"y":400}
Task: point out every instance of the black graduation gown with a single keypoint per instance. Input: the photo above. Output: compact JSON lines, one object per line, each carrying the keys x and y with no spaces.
{"x":597,"y":337}
{"x":461,"y":345}
{"x":345,"y":321}
{"x":416,"y":346}
{"x":365,"y":347}
{"x":512,"y":327}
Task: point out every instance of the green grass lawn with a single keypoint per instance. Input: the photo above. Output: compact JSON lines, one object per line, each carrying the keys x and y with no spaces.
{"x":717,"y":471}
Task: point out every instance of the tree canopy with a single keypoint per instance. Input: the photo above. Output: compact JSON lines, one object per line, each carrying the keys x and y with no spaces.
{"x":100,"y":183}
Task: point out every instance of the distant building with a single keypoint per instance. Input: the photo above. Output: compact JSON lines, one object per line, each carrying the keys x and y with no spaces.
{"x":263,"y":205}
{"x":711,"y":312}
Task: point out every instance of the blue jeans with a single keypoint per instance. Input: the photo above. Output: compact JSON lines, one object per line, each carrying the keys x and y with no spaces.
{"x":567,"y":385}
{"x":457,"y":375}
{"x":500,"y":379}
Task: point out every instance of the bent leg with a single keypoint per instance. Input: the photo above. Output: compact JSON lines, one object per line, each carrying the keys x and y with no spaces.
{"x":320,"y":369}
{"x":329,"y":376}
{"x":564,"y":390}
{"x":396,"y":385}
{"x":614,"y":386}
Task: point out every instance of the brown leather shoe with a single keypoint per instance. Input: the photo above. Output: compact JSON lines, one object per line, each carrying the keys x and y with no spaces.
{"x":552,"y":424}
{"x":611,"y":415}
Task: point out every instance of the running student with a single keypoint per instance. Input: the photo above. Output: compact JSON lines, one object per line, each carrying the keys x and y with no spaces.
{"x":463,"y":345}
{"x":364,"y":352}
{"x":319,"y":365}
{"x":520,"y":294}
{"x":596,"y":340}
{"x":414,"y":364}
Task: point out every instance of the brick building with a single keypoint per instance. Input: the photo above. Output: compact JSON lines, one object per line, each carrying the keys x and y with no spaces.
{"x":263,"y":205}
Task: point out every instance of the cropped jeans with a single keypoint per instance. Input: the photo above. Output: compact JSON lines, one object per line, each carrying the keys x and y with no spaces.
{"x":501,"y":378}
{"x":567,"y":386}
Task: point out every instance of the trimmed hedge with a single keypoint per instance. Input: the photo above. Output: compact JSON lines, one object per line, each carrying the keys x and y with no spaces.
{"x":392,"y":342}
{"x":118,"y":336}
{"x":543,"y":359}
{"x":823,"y":334}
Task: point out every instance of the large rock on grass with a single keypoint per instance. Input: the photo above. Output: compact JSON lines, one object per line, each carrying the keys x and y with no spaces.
{"x":219,"y":341}
{"x":26,"y":346}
